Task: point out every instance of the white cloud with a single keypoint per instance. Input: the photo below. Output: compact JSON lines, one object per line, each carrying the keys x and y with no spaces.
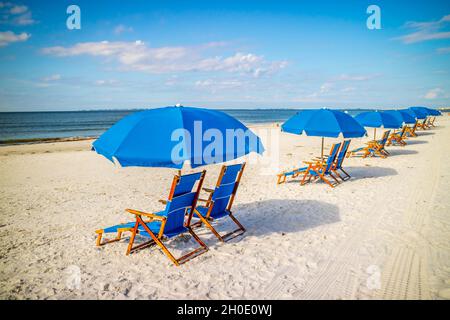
{"x":426,"y":31}
{"x":105,"y":82}
{"x":53,"y":77}
{"x":14,"y":14}
{"x":122,"y":28}
{"x":347,"y":77}
{"x":8,"y":37}
{"x":214,"y":85}
{"x":348,"y":89}
{"x":137,"y":56}
{"x":443,"y":50}
{"x":433,"y":93}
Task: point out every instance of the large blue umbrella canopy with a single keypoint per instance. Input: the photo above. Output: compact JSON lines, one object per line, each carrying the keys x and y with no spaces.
{"x":434,"y":112}
{"x":420,"y":112}
{"x":167,"y":137}
{"x":324,"y":123}
{"x":377,"y":119}
{"x":401,"y":115}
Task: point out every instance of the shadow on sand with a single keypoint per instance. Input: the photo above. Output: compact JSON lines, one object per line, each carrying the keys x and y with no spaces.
{"x":424,"y":133}
{"x":369,"y":172}
{"x":413,"y":142}
{"x":401,"y":152}
{"x":284,"y":216}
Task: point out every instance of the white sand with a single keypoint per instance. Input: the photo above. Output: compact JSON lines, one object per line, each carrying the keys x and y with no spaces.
{"x":383,"y":234}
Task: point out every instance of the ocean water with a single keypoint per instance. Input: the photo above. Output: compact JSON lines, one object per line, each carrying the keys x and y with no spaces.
{"x":34,"y":126}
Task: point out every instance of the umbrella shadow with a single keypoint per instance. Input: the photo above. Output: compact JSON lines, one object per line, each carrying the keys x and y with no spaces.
{"x":401,"y":152}
{"x":412,"y":142}
{"x":425,"y":133}
{"x":369,"y":172}
{"x":268,"y":217}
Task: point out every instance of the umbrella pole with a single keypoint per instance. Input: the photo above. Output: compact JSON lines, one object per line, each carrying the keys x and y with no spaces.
{"x":322,"y":148}
{"x":374,"y":133}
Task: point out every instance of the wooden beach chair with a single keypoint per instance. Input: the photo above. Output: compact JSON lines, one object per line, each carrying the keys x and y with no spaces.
{"x":220,"y":200}
{"x":166,"y":224}
{"x":423,"y":125}
{"x":321,"y":169}
{"x":411,"y":131}
{"x":398,"y":138}
{"x":373,"y":148}
{"x":431,"y":122}
{"x":337,"y":166}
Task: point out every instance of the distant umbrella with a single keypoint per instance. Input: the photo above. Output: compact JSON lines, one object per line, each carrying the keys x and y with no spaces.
{"x":324,"y":123}
{"x":420,"y":112}
{"x":402,"y":115}
{"x":377,"y":119}
{"x":167,"y":137}
{"x":434,"y":112}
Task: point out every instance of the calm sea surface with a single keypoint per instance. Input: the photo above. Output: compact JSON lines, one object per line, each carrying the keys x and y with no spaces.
{"x":17,"y":126}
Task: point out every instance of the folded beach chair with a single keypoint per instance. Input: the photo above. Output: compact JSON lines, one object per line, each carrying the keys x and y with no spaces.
{"x":219,"y":202}
{"x":398,"y":138}
{"x":411,"y":131}
{"x":321,"y":169}
{"x":373,"y":148}
{"x":165,"y":224}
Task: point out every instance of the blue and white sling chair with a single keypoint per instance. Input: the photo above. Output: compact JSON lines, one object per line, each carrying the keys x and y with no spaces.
{"x":169,"y":223}
{"x":220,"y":200}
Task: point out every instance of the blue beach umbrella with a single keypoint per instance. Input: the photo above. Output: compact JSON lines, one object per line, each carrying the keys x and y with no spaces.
{"x":401,"y":115}
{"x":434,"y":112}
{"x":420,"y":112}
{"x":167,"y":137}
{"x":414,"y":114}
{"x":324,"y":123}
{"x":377,"y":119}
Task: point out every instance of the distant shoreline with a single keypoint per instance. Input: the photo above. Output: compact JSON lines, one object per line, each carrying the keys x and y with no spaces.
{"x":43,"y":140}
{"x":13,"y":142}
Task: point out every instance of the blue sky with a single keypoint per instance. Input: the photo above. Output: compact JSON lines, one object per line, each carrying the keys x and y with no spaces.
{"x":223,"y":54}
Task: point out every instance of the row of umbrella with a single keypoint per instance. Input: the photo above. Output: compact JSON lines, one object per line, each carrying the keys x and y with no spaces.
{"x":169,"y":137}
{"x":333,"y":123}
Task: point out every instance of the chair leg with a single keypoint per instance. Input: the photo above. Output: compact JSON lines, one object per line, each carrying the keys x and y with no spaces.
{"x":223,"y":238}
{"x":177,"y":261}
{"x":99,"y":242}
{"x":345,"y":172}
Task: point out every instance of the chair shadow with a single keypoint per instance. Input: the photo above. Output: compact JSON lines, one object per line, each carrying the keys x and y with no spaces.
{"x":285,"y":216}
{"x":369,"y":172}
{"x":424,"y":133}
{"x":401,"y":152}
{"x":412,"y":142}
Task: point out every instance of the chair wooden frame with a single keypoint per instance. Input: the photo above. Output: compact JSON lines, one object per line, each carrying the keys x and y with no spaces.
{"x":209,"y":203}
{"x":398,"y":138}
{"x":320,"y":168}
{"x":411,"y":131}
{"x":423,"y":125}
{"x":157,"y":239}
{"x":372,"y":148}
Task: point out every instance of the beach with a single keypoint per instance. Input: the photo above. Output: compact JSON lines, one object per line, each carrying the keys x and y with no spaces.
{"x":384,"y":234}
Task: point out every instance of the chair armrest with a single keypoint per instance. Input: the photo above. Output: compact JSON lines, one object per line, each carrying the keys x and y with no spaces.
{"x":208,"y":189}
{"x":146,"y":214}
